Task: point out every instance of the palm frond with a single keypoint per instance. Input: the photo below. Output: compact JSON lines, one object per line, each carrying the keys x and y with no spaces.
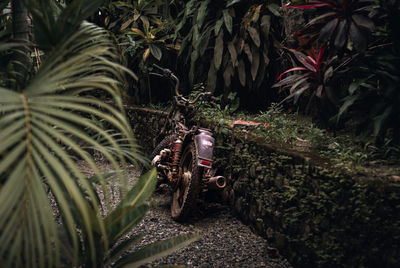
{"x":53,"y":112}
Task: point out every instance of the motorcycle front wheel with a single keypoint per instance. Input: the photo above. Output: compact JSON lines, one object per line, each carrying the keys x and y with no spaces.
{"x":188,"y":188}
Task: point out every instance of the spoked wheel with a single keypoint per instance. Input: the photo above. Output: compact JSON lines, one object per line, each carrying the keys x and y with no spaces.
{"x":188,"y":187}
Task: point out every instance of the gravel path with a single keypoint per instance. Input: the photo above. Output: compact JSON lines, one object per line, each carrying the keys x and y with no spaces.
{"x":224,"y":242}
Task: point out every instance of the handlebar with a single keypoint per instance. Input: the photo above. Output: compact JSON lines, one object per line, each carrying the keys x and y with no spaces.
{"x":168,"y":74}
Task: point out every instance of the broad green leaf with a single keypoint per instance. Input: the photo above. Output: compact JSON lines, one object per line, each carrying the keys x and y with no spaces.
{"x":255,"y":64}
{"x":202,"y":12}
{"x":141,"y":191}
{"x":232,"y":52}
{"x":218,"y":26}
{"x":328,"y":74}
{"x":232,"y":2}
{"x":218,"y":50}
{"x":137,"y":31}
{"x":228,"y":73}
{"x":247,"y":50}
{"x":121,"y":248}
{"x":190,"y":7}
{"x":298,"y":83}
{"x":380,"y":121}
{"x":196,"y":37}
{"x":242,"y":73}
{"x":356,"y":84}
{"x":211,"y":78}
{"x":349,"y":101}
{"x":265,"y":55}
{"x":256,"y":14}
{"x":261,"y":74}
{"x":155,"y":51}
{"x":156,"y":250}
{"x":363,"y":21}
{"x":204,"y":41}
{"x":296,"y":95}
{"x":254,"y":35}
{"x":341,"y":34}
{"x":122,"y":220}
{"x":274,"y":8}
{"x":193,"y":58}
{"x":265,"y":25}
{"x":146,"y":23}
{"x":228,"y":20}
{"x":358,"y":38}
{"x":185,"y":42}
{"x":127,"y":23}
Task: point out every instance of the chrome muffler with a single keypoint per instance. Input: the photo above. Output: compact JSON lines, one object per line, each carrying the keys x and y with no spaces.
{"x":216,"y":183}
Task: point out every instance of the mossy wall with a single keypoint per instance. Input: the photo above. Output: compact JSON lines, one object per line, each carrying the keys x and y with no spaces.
{"x":315,"y":216}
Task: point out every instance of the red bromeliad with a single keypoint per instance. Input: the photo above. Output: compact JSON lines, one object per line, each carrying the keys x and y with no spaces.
{"x":316,"y":71}
{"x":337,"y":20}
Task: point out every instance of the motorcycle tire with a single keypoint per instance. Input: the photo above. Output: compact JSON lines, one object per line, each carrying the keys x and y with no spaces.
{"x":185,"y":194}
{"x":165,"y":143}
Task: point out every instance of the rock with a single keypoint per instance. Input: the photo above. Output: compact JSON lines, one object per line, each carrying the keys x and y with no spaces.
{"x":260,"y":225}
{"x":238,"y":148}
{"x":237,"y":186}
{"x":253,"y":212}
{"x":270,"y":233}
{"x":280,"y":240}
{"x":279,"y":180}
{"x":273,"y":252}
{"x":252,"y":171}
{"x":239,"y":205}
{"x":396,"y":178}
{"x":231,"y":197}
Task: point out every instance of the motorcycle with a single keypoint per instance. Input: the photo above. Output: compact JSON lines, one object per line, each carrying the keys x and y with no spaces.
{"x":184,"y":157}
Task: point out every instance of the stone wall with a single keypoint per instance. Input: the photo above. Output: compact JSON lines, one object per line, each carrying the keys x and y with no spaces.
{"x":315,"y":216}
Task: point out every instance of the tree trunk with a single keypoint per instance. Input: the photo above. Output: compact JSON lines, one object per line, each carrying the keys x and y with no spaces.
{"x":20,"y":20}
{"x":21,"y":28}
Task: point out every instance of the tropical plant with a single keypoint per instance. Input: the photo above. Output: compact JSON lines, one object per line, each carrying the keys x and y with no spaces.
{"x":373,"y":91}
{"x":315,"y":72}
{"x":43,"y":123}
{"x":149,"y":41}
{"x":235,"y":37}
{"x":144,"y":32}
{"x":374,"y":95}
{"x":142,"y":27}
{"x":336,"y":21}
{"x":5,"y":20}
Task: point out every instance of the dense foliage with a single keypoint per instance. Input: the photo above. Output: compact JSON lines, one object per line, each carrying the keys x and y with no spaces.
{"x":236,"y":47}
{"x":228,"y":44}
{"x":364,"y":37}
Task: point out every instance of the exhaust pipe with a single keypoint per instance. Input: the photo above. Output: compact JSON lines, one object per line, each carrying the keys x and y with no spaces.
{"x":216,"y":183}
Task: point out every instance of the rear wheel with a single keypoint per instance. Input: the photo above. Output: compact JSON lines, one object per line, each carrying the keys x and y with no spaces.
{"x":188,"y":187}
